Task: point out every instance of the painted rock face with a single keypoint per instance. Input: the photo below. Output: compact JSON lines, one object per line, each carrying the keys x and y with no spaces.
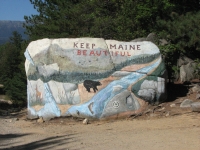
{"x":92,"y":77}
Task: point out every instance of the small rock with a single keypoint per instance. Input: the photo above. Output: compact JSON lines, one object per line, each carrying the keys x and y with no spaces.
{"x":14,"y":119}
{"x":195,"y":106}
{"x":40,"y":120}
{"x":163,"y":42}
{"x":167,"y":114}
{"x":161,"y":109}
{"x":153,"y":115}
{"x":173,"y":105}
{"x":198,"y":96}
{"x":6,"y":101}
{"x":186,"y":103}
{"x":85,"y":121}
{"x":196,"y":88}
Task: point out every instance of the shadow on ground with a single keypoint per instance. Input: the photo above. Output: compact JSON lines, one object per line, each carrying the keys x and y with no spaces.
{"x":10,"y":114}
{"x":47,"y":143}
{"x":176,"y":90}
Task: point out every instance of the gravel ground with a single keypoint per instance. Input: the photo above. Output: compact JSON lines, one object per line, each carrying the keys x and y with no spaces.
{"x":172,"y":132}
{"x":162,"y":127}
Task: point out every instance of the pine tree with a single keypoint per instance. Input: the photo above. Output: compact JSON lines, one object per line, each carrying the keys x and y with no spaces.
{"x":110,"y":19}
{"x":182,"y":32}
{"x":12,"y":69}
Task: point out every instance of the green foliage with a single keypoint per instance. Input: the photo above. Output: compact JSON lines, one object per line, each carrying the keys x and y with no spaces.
{"x":110,"y":19}
{"x":184,"y":6}
{"x":182,"y":32}
{"x":176,"y":21}
{"x":170,"y":55}
{"x":56,"y":19}
{"x":12,"y":68}
{"x":139,"y":18}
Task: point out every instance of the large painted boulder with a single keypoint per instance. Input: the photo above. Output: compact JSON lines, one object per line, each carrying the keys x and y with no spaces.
{"x":92,"y":78}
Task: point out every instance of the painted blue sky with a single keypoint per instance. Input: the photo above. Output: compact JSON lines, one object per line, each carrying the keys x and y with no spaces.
{"x":15,"y":10}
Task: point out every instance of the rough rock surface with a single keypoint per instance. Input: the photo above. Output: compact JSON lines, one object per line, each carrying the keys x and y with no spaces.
{"x":196,"y":88}
{"x":121,"y":77}
{"x":187,"y":69}
{"x":186,"y":103}
{"x":195,"y":106}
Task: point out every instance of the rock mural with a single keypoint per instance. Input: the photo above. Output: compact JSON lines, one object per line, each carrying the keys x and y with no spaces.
{"x":92,"y":78}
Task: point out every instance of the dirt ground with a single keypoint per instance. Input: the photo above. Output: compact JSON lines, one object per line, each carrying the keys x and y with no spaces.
{"x":163,"y":127}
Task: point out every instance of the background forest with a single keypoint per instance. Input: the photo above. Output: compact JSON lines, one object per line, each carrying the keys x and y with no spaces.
{"x":176,"y":21}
